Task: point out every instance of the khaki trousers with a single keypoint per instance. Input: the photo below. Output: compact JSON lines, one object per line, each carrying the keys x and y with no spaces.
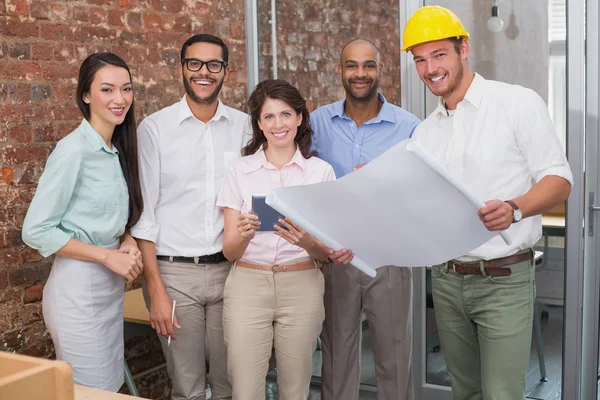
{"x":485,"y":325}
{"x":387,"y":303}
{"x":262,"y":310}
{"x":198,"y":290}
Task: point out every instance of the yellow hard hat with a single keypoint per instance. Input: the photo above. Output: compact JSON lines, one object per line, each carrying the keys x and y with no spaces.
{"x":431,"y":23}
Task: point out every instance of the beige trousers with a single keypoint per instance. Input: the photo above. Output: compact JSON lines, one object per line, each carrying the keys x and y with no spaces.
{"x":262,"y":310}
{"x":198,"y":290}
{"x":387,"y":304}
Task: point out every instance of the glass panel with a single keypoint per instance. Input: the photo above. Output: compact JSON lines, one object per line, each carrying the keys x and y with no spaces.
{"x":529,"y":52}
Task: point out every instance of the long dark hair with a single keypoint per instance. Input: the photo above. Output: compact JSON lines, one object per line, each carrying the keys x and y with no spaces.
{"x":124,"y":137}
{"x":280,"y":90}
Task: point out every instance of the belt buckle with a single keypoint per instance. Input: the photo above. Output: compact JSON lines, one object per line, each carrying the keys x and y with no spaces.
{"x":197,"y":260}
{"x":274,"y":267}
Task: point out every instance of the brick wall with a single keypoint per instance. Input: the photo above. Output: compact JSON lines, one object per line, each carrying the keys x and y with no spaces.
{"x":310,"y":37}
{"x":42,"y":44}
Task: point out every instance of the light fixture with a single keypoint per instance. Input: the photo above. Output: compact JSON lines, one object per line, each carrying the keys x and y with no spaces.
{"x":495,"y":23}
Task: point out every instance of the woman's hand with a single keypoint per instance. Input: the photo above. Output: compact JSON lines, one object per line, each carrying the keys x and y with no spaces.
{"x":130,"y":248}
{"x":295,"y":235}
{"x":127,"y":265}
{"x":247,"y":224}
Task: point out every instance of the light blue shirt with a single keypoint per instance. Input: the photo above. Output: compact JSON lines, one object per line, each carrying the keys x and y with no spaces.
{"x":82,"y":194}
{"x":338,"y":141}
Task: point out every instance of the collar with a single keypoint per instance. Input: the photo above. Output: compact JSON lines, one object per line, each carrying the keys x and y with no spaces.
{"x":473,"y":95}
{"x":185,"y":111}
{"x":385,"y":114}
{"x":94,"y":138}
{"x":259,"y":160}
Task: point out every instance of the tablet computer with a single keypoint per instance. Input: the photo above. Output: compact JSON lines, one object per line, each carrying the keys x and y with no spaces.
{"x":266,"y":214}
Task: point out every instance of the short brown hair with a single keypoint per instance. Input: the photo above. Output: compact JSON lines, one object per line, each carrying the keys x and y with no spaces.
{"x":457,"y":42}
{"x":280,"y":90}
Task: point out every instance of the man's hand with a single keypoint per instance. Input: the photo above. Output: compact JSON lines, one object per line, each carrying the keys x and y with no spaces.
{"x":161,"y":306}
{"x":496,"y":215}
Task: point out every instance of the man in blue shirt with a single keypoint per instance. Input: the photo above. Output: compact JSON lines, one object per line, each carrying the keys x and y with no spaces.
{"x":349,"y":134}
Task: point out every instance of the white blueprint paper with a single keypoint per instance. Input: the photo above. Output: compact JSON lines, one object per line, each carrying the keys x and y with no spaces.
{"x":401,"y":209}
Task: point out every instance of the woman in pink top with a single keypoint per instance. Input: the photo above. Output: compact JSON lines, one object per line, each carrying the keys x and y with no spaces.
{"x":274,"y":293}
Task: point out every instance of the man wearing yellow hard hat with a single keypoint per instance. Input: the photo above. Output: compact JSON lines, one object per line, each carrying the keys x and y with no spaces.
{"x":498,"y":140}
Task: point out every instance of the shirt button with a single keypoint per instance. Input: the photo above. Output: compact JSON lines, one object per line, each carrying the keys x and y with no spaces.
{"x":358,"y":146}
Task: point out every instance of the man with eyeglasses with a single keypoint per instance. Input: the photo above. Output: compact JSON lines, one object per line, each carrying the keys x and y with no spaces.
{"x":185,"y":150}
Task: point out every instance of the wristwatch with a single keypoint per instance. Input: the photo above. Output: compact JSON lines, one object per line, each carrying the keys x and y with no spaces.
{"x":517,"y":214}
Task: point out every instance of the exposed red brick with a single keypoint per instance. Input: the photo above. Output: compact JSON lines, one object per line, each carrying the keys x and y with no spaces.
{"x":17,"y":93}
{"x":29,"y":255}
{"x":15,"y":27}
{"x":53,"y":72}
{"x":28,"y":176}
{"x":21,"y":51}
{"x":97,"y":34}
{"x":6,"y":175}
{"x":158,"y":5}
{"x":59,"y":13}
{"x":8,"y":257}
{"x":3,"y":51}
{"x":33,"y":293}
{"x":40,"y":9}
{"x":10,"y":295}
{"x":64,"y":52}
{"x":43,"y":133}
{"x":237,"y":31}
{"x":175,"y":6}
{"x":202,"y":9}
{"x":97,"y":15}
{"x":20,"y":154}
{"x":40,"y":55}
{"x":12,"y":237}
{"x":134,"y":19}
{"x":20,"y":70}
{"x":40,"y":93}
{"x":28,"y":275}
{"x":18,"y":8}
{"x":116,"y":17}
{"x":183,"y":24}
{"x":3,"y":280}
{"x":42,"y":51}
{"x":54,"y":32}
{"x":81,"y":13}
{"x":21,"y":133}
{"x":64,"y":112}
{"x":151,"y":20}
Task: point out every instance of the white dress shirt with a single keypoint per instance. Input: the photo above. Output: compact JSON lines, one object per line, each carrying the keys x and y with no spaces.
{"x":499,"y":142}
{"x":182,"y":164}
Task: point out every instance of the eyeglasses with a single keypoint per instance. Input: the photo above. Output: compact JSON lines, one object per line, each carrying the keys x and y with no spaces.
{"x":194,"y":65}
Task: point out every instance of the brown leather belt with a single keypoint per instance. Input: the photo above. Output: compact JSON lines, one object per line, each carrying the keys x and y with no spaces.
{"x":491,"y":267}
{"x":297,"y":266}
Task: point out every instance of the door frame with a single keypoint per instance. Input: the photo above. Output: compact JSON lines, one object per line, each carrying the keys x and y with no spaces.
{"x":413,"y":100}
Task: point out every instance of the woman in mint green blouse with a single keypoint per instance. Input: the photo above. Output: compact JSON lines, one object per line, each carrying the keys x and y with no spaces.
{"x":87,"y":198}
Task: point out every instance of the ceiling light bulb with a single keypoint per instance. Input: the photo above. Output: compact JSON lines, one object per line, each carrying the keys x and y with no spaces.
{"x":495,"y":23}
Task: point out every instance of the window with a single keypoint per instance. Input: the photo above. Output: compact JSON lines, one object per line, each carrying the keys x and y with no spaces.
{"x":557,"y":64}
